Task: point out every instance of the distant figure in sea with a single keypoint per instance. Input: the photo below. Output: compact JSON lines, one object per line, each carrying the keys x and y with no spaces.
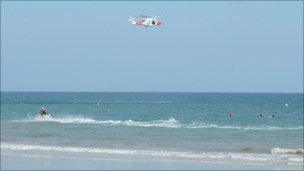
{"x":261,"y":115}
{"x":272,"y":116}
{"x":42,"y":111}
{"x":231,"y":114}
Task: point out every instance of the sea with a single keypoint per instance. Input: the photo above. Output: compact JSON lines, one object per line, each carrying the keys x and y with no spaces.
{"x":202,"y":127}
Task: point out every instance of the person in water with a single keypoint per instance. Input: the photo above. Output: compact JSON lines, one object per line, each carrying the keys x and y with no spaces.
{"x":261,"y":115}
{"x":42,"y":112}
{"x":231,"y":114}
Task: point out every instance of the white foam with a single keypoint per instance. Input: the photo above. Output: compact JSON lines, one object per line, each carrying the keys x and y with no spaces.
{"x":207,"y":125}
{"x":170,"y":123}
{"x":287,"y":150}
{"x":59,"y":120}
{"x":204,"y":156}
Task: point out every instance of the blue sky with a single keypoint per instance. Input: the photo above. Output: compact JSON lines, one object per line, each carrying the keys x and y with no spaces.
{"x":202,"y":47}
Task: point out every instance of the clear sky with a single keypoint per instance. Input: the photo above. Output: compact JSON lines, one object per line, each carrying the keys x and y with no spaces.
{"x":202,"y":47}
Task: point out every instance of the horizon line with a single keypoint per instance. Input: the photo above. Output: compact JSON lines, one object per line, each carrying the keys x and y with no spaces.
{"x":94,"y":91}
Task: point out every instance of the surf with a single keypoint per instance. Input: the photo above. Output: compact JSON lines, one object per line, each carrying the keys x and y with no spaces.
{"x":278,"y":150}
{"x":197,"y":125}
{"x":200,"y":156}
{"x":165,"y":123}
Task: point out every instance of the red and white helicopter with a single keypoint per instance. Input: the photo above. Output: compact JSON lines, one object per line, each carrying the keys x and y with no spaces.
{"x":145,"y":21}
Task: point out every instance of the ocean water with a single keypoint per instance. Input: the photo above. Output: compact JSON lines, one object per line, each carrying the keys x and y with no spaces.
{"x":188,"y":126}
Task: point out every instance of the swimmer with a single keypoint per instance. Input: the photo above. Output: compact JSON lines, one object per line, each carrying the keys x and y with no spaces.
{"x":231,"y":114}
{"x":261,"y":115}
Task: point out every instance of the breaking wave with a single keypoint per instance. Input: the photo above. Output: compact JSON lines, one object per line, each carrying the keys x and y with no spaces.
{"x":286,"y":151}
{"x":203,"y":156}
{"x":170,"y":123}
{"x":207,"y":125}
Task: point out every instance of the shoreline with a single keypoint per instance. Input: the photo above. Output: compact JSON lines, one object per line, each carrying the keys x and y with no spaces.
{"x":50,"y":162}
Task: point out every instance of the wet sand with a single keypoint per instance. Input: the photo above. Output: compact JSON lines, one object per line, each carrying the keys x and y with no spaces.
{"x":27,"y":161}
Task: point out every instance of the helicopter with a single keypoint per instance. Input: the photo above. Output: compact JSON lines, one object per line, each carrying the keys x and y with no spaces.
{"x":145,"y":21}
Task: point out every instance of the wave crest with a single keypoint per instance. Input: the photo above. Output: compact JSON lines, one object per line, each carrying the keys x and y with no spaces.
{"x":207,"y":125}
{"x":204,"y":156}
{"x":287,"y":150}
{"x":170,"y":123}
